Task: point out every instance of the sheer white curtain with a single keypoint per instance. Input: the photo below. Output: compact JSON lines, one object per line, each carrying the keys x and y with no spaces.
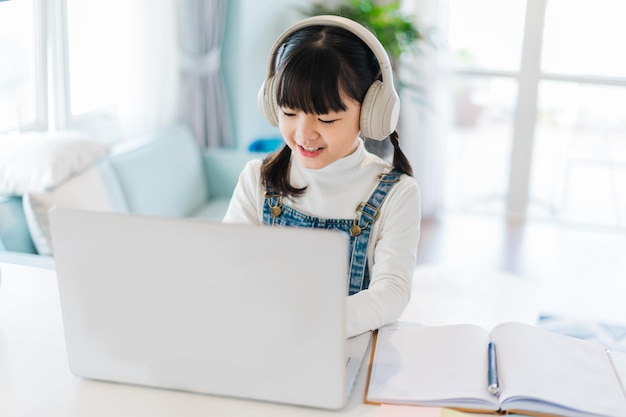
{"x":122,"y":67}
{"x":203,"y":100}
{"x":424,"y":119}
{"x":149,"y":97}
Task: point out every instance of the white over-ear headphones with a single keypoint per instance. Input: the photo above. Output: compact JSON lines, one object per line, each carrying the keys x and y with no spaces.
{"x":381,"y":106}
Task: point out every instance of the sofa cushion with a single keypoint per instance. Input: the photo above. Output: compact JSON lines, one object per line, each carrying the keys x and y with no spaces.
{"x":214,"y":210}
{"x":38,"y":162}
{"x":85,"y":191}
{"x":162,"y":173}
{"x":14,"y":234}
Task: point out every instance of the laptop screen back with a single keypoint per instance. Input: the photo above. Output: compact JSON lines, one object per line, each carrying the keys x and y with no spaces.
{"x":233,"y":310}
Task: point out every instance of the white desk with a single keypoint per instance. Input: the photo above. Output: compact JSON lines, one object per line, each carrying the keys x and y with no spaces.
{"x":35,"y":379}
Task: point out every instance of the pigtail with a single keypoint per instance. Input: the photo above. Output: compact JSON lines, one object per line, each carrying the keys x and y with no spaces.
{"x":275,"y":172}
{"x":400,"y":161}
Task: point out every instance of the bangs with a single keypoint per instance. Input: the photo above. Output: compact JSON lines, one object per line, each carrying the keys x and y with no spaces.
{"x":310,"y":81}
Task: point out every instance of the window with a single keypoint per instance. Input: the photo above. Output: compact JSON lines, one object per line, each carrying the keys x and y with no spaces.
{"x":540,"y":126}
{"x":99,"y":60}
{"x":584,"y":37}
{"x":18,"y":71}
{"x":486,"y":53}
{"x":103,"y":67}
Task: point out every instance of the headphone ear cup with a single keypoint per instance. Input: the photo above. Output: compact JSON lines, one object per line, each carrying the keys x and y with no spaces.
{"x":266,"y":101}
{"x":367,"y":106}
{"x":379,"y":111}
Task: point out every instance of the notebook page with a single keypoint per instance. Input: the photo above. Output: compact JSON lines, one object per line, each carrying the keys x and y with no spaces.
{"x":555,"y":369}
{"x":442,"y":365}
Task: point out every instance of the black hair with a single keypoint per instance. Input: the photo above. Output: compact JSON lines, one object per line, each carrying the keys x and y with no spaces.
{"x":313,"y":67}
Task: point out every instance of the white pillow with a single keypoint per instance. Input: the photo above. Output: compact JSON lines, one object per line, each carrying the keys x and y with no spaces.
{"x":85,"y":191}
{"x":37,"y":162}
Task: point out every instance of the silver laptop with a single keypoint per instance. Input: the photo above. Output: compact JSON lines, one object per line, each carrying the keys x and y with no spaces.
{"x":223,"y":309}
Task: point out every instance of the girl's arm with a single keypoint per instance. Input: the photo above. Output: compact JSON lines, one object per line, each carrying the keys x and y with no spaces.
{"x":394,"y":256}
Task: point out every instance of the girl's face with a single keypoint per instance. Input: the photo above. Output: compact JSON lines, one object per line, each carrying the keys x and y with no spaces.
{"x":318,"y":140}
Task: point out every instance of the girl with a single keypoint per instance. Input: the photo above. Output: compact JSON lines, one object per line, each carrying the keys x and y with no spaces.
{"x":329,"y":82}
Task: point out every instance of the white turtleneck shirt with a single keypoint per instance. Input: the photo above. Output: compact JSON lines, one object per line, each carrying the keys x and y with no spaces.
{"x":334,"y":192}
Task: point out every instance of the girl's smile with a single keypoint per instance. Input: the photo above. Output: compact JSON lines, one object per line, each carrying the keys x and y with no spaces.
{"x":309,"y":152}
{"x":321,"y":139}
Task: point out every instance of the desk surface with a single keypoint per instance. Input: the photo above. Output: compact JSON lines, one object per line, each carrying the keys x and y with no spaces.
{"x":35,"y":379}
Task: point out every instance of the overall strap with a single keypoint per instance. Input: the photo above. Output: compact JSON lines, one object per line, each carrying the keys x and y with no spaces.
{"x":272,"y":206}
{"x":366,"y":214}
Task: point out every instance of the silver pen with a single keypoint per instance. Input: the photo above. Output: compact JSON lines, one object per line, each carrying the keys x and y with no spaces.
{"x":493,"y":386}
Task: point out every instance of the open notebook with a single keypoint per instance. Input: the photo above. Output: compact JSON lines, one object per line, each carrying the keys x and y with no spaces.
{"x":516,"y":368}
{"x":223,"y":309}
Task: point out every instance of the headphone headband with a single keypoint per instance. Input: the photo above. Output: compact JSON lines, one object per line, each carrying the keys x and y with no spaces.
{"x":381,"y":106}
{"x":329,"y":20}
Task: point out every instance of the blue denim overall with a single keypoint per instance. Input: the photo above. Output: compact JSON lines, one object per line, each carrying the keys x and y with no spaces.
{"x":359,"y":228}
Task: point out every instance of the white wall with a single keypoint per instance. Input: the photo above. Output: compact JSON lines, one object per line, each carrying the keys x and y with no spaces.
{"x":251,"y":29}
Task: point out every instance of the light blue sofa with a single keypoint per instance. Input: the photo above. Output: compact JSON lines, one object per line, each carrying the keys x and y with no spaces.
{"x":163,"y":173}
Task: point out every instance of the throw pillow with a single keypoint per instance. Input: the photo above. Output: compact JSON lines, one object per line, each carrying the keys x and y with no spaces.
{"x":39,"y":162}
